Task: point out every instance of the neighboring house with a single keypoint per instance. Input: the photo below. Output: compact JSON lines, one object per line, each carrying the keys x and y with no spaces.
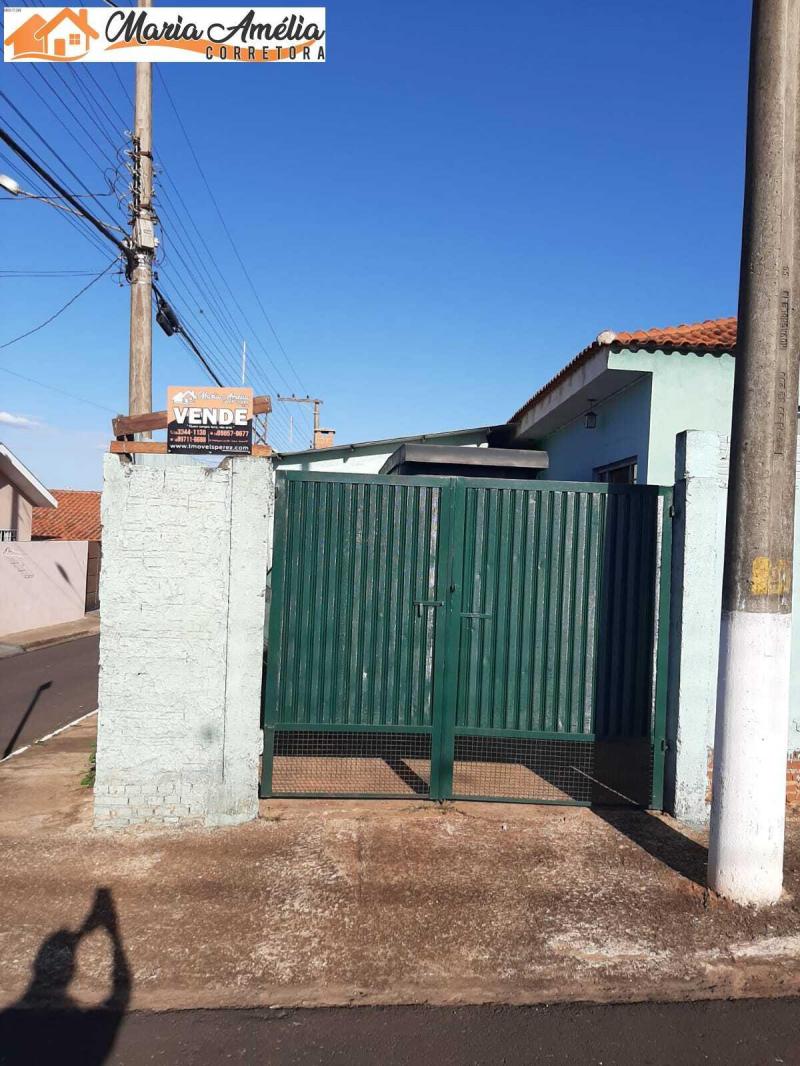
{"x":20,"y":492}
{"x":41,"y":584}
{"x":77,"y":518}
{"x":67,"y":34}
{"x":367,"y":457}
{"x":613,"y":412}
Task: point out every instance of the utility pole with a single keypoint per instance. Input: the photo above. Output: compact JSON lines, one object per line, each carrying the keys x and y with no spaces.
{"x":749,"y":794}
{"x":322,"y":438}
{"x":143,"y":244}
{"x":244,"y":360}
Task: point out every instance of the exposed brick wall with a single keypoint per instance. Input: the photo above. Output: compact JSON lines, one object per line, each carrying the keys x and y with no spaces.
{"x":182,"y":585}
{"x":792,"y":778}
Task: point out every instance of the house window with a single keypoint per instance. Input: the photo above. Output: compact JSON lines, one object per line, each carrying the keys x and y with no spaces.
{"x":74,"y":38}
{"x":8,"y":534}
{"x":623,"y":472}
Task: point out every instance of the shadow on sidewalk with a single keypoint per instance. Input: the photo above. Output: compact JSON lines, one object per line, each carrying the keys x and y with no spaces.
{"x":46,"y":1023}
{"x":682,"y":854}
{"x":23,"y":721}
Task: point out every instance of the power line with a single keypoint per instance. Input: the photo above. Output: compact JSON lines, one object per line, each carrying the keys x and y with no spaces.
{"x":13,"y":274}
{"x":79,"y":224}
{"x":55,"y":388}
{"x":54,"y":153}
{"x":227,"y":233}
{"x":16,"y":147}
{"x":71,"y":131}
{"x":216,"y":301}
{"x":100,"y":226}
{"x":61,"y":310}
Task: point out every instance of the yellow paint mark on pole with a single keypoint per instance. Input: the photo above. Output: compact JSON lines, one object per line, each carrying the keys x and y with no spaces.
{"x":770,"y":578}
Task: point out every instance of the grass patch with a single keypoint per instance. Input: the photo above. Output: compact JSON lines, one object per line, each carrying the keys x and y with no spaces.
{"x":87,"y":781}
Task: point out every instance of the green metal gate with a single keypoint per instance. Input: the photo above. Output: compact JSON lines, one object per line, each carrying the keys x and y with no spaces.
{"x":467,"y":638}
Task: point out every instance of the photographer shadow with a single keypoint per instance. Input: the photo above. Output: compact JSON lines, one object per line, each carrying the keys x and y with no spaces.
{"x":46,"y":1020}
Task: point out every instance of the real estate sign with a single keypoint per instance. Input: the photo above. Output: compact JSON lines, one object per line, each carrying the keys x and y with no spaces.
{"x":209,"y":421}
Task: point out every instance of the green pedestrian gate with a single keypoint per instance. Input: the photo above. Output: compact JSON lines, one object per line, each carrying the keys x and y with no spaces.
{"x":467,"y":638}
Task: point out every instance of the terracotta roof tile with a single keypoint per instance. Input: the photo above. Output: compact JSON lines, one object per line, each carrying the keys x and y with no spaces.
{"x":715,"y":336}
{"x":77,"y":517}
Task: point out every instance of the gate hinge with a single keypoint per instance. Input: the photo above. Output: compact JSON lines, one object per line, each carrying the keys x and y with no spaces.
{"x":671,"y":511}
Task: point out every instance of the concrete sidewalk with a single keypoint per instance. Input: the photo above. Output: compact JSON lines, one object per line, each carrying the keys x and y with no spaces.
{"x":338,"y":902}
{"x":45,"y":636}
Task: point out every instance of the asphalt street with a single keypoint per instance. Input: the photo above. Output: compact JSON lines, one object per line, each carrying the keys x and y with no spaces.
{"x":737,"y":1033}
{"x":44,"y":689}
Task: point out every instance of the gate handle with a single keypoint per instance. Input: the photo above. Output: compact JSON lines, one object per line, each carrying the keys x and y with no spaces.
{"x":419,"y":604}
{"x":475,"y":614}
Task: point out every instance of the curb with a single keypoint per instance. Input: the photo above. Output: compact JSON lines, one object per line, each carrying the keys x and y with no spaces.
{"x":7,"y":650}
{"x":48,"y":736}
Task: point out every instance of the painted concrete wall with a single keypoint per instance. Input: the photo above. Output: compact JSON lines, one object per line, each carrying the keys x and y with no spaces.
{"x":677,"y":392}
{"x":698,"y":553}
{"x":688,"y":392}
{"x":42,"y":583}
{"x":15,"y":509}
{"x":698,"y":543}
{"x":183,"y":582}
{"x":369,"y":458}
{"x":622,"y":430}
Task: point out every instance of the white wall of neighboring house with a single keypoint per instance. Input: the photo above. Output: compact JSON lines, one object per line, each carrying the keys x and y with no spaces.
{"x":369,"y":457}
{"x":42,"y":583}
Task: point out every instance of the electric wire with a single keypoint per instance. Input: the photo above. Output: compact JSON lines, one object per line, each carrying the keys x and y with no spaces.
{"x":200,"y":258}
{"x":216,"y":317}
{"x":71,"y":132}
{"x":230,"y":239}
{"x":62,"y":309}
{"x":213,"y":296}
{"x":79,"y":224}
{"x":55,"y":388}
{"x":54,"y":153}
{"x":227,"y":230}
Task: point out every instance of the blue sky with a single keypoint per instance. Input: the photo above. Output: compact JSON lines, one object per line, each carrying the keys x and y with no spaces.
{"x":435,"y":220}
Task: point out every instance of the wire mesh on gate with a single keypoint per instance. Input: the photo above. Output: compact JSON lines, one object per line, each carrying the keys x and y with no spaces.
{"x":311,"y":762}
{"x":523,"y":768}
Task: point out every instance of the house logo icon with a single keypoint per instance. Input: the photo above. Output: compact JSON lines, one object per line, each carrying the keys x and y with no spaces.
{"x":63,"y":38}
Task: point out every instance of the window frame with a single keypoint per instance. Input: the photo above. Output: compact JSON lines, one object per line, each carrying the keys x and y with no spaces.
{"x":600,"y":473}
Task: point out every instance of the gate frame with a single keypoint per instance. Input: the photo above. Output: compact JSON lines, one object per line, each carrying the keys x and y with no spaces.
{"x":446,"y":648}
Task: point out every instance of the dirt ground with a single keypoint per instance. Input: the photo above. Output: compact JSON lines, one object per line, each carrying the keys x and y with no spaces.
{"x":343,"y":902}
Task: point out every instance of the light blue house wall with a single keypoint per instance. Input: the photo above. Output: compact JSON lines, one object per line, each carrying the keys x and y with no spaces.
{"x":677,"y":391}
{"x":688,"y":392}
{"x":622,"y":430}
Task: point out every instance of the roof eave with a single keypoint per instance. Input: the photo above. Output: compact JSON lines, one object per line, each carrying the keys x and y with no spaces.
{"x":31,"y":487}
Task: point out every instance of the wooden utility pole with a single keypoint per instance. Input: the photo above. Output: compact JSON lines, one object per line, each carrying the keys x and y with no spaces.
{"x":749,"y":794}
{"x":143,"y":244}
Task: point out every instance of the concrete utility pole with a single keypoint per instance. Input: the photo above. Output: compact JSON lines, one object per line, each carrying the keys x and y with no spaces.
{"x":140,"y":379}
{"x":322,"y":438}
{"x":747,"y":817}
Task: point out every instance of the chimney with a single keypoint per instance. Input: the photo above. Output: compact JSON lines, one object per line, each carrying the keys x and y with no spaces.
{"x":323,"y":438}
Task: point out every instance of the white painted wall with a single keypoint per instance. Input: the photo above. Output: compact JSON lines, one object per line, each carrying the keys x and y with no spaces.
{"x":369,"y":458}
{"x":183,"y":583}
{"x":42,"y":583}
